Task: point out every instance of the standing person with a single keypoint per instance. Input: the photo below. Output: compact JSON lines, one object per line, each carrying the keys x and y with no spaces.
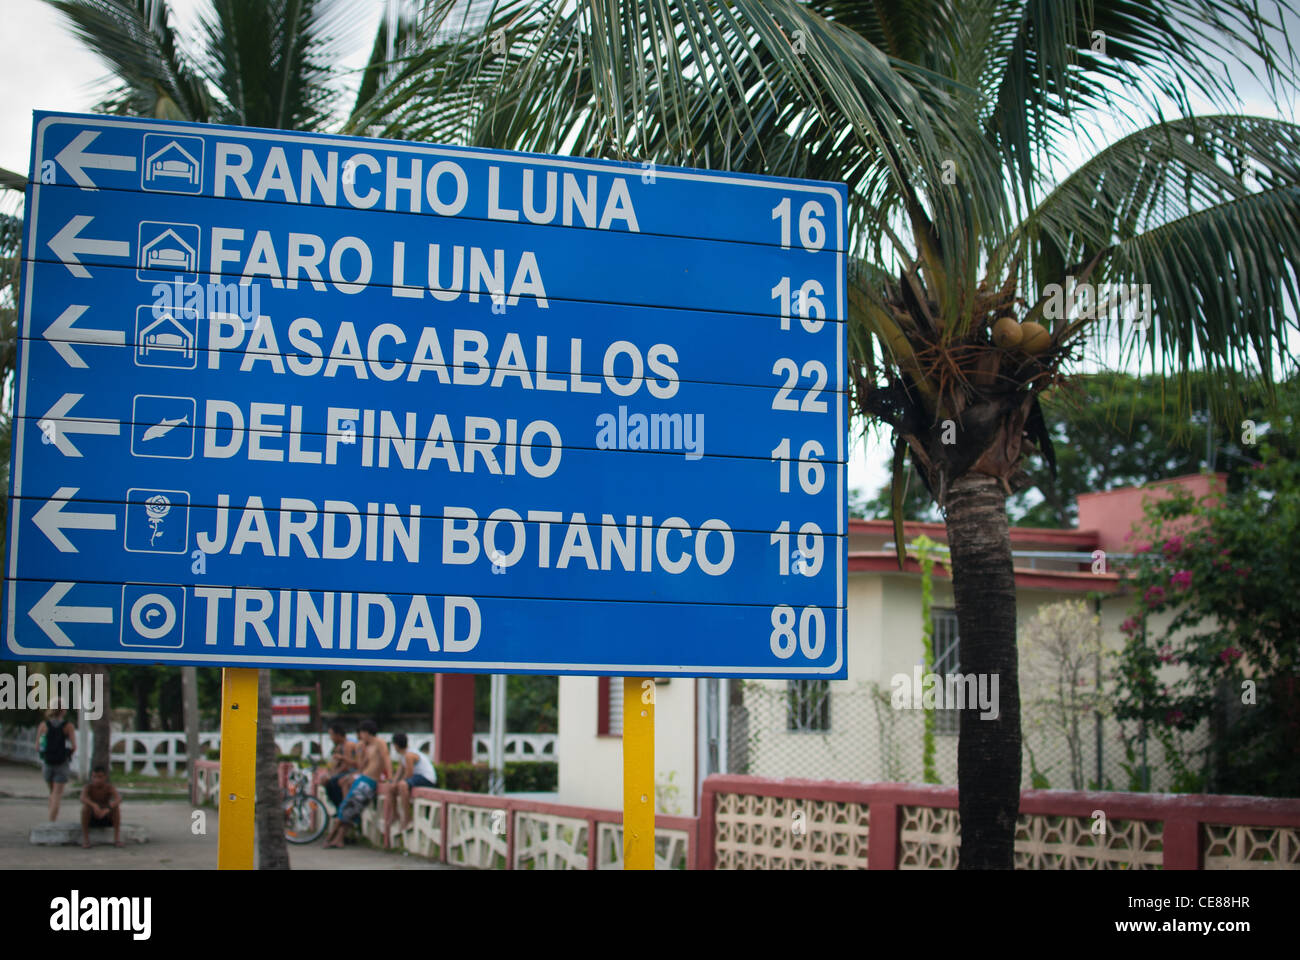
{"x":56,"y":741}
{"x":416,"y":771}
{"x":101,"y":806}
{"x":343,"y":762}
{"x":375,"y":765}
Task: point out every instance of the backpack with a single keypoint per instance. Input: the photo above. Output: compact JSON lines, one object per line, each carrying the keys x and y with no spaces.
{"x":56,"y":744}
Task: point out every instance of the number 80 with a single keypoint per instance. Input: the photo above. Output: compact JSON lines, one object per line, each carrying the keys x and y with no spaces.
{"x":812,"y":632}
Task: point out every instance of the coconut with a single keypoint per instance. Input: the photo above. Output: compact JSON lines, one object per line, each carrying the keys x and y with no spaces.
{"x":1007,"y":333}
{"x":1036,"y":339}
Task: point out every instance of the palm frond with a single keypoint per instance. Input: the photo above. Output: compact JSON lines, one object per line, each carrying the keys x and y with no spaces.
{"x":1224,"y":287}
{"x":135,"y":38}
{"x":397,"y":30}
{"x":275,"y":60}
{"x":1164,"y":172}
{"x":1204,"y":210}
{"x":12,"y":181}
{"x":1049,"y":61}
{"x":772,"y":87}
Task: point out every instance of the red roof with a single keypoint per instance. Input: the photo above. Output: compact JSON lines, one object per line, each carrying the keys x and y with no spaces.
{"x":1082,"y":540}
{"x":1027,"y":578}
{"x":1109,"y":515}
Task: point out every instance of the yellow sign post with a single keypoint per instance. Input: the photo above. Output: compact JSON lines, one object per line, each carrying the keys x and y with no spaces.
{"x":638,"y":773}
{"x":238,"y":768}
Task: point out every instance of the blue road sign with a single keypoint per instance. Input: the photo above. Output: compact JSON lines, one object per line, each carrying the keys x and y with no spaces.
{"x":315,"y":401}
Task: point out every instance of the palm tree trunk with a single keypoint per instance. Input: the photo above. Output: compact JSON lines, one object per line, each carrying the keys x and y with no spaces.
{"x":988,"y":751}
{"x":101,"y":728}
{"x":272,"y":848}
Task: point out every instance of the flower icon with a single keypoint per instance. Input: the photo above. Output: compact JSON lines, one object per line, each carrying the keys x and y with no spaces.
{"x":155,"y":508}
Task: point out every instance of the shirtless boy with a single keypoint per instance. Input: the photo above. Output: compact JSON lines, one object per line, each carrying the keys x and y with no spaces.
{"x":101,"y":806}
{"x":343,"y":762}
{"x":375,"y":765}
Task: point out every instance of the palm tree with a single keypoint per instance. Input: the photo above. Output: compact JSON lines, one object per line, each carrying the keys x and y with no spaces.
{"x":12,"y":188}
{"x":947,"y":119}
{"x":260,"y":63}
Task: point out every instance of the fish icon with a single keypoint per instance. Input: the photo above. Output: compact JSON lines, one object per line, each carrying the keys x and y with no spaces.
{"x":164,"y":427}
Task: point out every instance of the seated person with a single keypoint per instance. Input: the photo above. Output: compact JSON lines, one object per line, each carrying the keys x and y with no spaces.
{"x":343,"y":762}
{"x":375,"y":765}
{"x":101,"y":806}
{"x":416,"y":771}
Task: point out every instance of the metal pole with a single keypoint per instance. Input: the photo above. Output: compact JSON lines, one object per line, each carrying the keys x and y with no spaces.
{"x":1096,"y":714}
{"x":497,"y":733}
{"x":1096,"y":717}
{"x":238,"y":768}
{"x":1146,"y":771}
{"x":638,"y":773}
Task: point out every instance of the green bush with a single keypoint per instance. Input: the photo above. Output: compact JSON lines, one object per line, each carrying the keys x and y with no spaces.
{"x":468,"y":777}
{"x":542,"y":776}
{"x":521,"y":777}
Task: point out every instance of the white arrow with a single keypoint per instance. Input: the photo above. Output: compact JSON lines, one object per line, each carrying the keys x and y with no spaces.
{"x":53,"y":519}
{"x":56,"y":426}
{"x":68,"y":242}
{"x":60,"y":332}
{"x":48,"y":614}
{"x":75,"y":159}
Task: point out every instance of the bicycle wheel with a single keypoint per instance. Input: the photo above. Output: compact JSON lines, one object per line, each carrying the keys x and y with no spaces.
{"x":305,"y":819}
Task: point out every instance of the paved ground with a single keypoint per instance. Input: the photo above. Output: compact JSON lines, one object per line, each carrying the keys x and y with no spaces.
{"x":172,"y":844}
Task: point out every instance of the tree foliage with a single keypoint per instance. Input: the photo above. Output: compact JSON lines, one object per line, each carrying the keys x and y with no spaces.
{"x":1112,"y":430}
{"x":1060,"y":650}
{"x":1225,"y":573}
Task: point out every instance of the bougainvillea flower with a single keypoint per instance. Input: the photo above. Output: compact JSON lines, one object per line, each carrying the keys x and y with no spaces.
{"x":1174,"y":545}
{"x":1153,"y":595}
{"x":1229,"y":654}
{"x":1182,"y":579}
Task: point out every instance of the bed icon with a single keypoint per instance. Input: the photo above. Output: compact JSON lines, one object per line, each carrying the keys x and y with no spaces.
{"x":172,"y":164}
{"x":166,"y":338}
{"x":172,"y":248}
{"x":180,"y":259}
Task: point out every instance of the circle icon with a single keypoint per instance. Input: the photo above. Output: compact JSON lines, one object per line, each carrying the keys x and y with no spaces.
{"x":153,"y":616}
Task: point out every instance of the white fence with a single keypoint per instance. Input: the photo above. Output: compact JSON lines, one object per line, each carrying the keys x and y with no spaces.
{"x":164,"y":752}
{"x":19,"y":743}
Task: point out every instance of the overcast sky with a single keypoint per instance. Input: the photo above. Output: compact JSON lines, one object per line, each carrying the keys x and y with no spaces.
{"x":44,"y":67}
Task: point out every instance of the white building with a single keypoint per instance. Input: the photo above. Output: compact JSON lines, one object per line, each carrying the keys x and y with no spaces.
{"x":843,"y":730}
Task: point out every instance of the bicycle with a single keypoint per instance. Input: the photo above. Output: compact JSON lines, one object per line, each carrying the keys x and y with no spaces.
{"x":305,"y":816}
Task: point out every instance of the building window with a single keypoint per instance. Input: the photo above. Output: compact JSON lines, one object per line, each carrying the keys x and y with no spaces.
{"x":945,"y":662}
{"x":809,"y":705}
{"x":609,"y":706}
